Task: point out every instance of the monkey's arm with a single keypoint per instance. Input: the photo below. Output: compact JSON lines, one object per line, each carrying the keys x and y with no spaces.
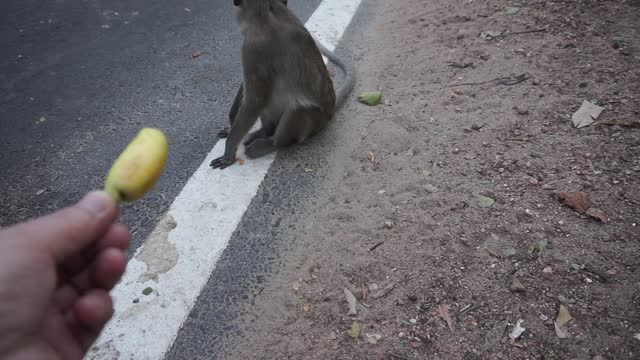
{"x":236,"y":104}
{"x":248,"y":114}
{"x":233,"y":112}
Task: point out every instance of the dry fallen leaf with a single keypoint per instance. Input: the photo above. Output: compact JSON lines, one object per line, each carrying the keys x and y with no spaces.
{"x":306,"y":308}
{"x":579,"y":201}
{"x":586,"y":115}
{"x":297,"y":284}
{"x":197,"y":54}
{"x":518,"y":330}
{"x":563,"y":316}
{"x":372,"y":338}
{"x":444,"y":312}
{"x":384,"y":291}
{"x":351,"y":300}
{"x":598,"y":214}
{"x":241,"y":161}
{"x":371,"y":157}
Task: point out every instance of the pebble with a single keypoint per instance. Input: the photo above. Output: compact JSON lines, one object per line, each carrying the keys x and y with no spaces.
{"x":456,"y":150}
{"x":547,"y":187}
{"x":431,"y":189}
{"x":548,"y":270}
{"x":412,"y":298}
{"x":517,"y":286}
{"x":534,"y":182}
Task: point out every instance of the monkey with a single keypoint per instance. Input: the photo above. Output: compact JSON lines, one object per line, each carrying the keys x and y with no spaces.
{"x":285,"y":82}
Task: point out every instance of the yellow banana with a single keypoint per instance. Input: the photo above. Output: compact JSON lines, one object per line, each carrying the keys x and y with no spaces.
{"x":138,"y":167}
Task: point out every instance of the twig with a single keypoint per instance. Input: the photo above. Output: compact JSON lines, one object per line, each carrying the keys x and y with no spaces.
{"x":503,"y":80}
{"x":397,"y":356}
{"x":525,"y":32}
{"x":376,"y":246}
{"x":623,"y":71}
{"x":469,"y":309}
{"x":475,"y":83}
{"x":601,"y":275}
{"x":620,"y":317}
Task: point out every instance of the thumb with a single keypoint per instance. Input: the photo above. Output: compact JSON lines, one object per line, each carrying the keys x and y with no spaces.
{"x":67,"y":231}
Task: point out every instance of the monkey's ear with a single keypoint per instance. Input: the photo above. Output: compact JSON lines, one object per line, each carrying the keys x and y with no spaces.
{"x":237,"y":2}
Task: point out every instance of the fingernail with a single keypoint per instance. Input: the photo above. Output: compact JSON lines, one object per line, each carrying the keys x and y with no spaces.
{"x":96,"y":202}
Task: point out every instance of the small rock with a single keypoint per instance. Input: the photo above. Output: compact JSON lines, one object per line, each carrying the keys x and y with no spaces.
{"x":511,"y":252}
{"x":535,"y":82}
{"x":413,"y":321}
{"x":412,"y":298}
{"x":547,"y":187}
{"x":544,"y":317}
{"x":534,"y":182}
{"x":332,"y":335}
{"x":612,"y":272}
{"x":431,"y":189}
{"x":373,"y":287}
{"x":135,"y":301}
{"x":388,"y":224}
{"x":548,"y":270}
{"x":456,"y":150}
{"x":517,"y":286}
{"x":521,"y":111}
{"x":381,"y":192}
{"x":476,"y":127}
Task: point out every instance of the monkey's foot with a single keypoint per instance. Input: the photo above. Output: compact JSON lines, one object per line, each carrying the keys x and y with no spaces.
{"x":258,"y":134}
{"x":222,"y":162}
{"x":259,"y":147}
{"x":223,"y":134}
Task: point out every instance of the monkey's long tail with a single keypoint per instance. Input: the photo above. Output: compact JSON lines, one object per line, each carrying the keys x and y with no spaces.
{"x":349,"y":74}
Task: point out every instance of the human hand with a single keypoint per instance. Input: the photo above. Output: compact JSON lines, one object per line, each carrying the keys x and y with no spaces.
{"x":55,"y":275}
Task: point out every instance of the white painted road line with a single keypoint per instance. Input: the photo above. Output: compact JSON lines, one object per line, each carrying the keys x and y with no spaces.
{"x":179,"y":256}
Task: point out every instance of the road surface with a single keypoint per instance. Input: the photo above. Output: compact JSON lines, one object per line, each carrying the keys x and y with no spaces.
{"x":78,"y":81}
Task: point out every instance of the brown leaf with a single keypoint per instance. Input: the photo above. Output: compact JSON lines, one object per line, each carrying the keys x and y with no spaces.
{"x":371,"y":156}
{"x":579,"y":201}
{"x":306,"y":308}
{"x":598,"y":214}
{"x":197,"y":54}
{"x":384,"y":291}
{"x":444,"y":312}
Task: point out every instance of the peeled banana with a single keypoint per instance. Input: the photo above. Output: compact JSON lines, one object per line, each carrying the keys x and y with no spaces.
{"x":138,"y":167}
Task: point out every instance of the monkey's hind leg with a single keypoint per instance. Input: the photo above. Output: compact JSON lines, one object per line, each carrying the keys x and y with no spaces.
{"x":294,"y":128}
{"x":268,"y":122}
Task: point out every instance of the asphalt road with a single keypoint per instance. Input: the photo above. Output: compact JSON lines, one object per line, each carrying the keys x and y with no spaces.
{"x":79,"y":79}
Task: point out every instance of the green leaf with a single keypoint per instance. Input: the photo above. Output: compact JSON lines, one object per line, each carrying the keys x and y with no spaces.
{"x":147,"y":291}
{"x":370,"y":98}
{"x":511,"y":10}
{"x":354,"y":331}
{"x":485,"y":202}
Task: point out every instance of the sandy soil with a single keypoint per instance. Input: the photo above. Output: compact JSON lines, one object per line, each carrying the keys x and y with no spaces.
{"x":411,"y":229}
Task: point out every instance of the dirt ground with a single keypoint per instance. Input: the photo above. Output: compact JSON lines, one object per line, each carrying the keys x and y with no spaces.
{"x":412,"y":229}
